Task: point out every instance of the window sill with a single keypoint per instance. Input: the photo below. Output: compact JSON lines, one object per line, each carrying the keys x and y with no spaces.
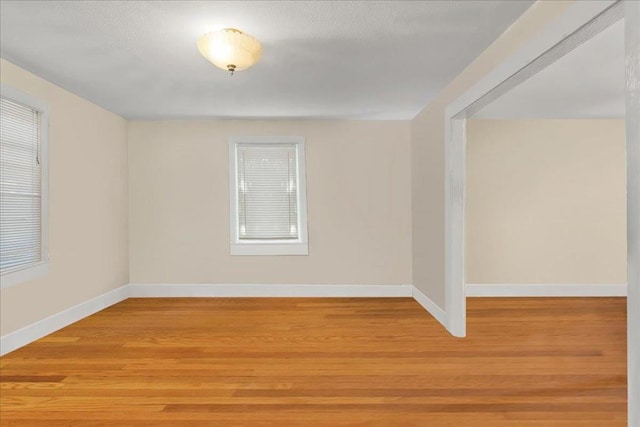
{"x":269,"y":249}
{"x":30,"y":273}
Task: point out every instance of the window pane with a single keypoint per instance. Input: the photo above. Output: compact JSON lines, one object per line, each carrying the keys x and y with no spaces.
{"x":20,"y":186}
{"x":267,"y":191}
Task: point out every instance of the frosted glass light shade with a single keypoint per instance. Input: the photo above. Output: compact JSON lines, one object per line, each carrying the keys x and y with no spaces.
{"x":230,"y":49}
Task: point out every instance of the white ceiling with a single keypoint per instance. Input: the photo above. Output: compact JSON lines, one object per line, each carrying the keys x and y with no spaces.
{"x":586,"y":83}
{"x":321,"y":59}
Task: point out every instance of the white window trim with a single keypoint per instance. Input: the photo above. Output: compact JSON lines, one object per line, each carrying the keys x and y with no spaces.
{"x":41,"y":268}
{"x":269,"y":247}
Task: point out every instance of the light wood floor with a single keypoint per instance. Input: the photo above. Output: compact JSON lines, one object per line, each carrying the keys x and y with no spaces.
{"x":324,"y":362}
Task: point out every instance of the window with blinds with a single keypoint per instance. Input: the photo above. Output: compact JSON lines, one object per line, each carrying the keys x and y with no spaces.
{"x":21,"y":170}
{"x":267,"y":194}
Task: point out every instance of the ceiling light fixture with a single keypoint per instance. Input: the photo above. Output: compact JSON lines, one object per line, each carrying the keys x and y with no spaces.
{"x":230,"y":49}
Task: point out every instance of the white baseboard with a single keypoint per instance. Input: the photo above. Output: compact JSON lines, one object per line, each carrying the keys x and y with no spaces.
{"x":546,"y":290}
{"x":143,"y":290}
{"x":37,"y":330}
{"x":433,"y":308}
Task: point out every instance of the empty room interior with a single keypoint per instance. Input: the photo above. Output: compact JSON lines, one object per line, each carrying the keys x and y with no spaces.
{"x":320,"y":213}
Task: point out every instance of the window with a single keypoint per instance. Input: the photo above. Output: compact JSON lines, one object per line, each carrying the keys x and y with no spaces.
{"x":23,"y":187}
{"x":268,"y":196}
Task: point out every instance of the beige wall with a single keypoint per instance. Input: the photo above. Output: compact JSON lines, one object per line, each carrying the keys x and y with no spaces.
{"x":427,"y":150}
{"x":545,"y":201}
{"x":361,"y":197}
{"x":358,"y":192}
{"x":87,"y":205}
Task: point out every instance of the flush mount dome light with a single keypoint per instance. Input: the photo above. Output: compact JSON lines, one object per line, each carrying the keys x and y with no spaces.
{"x":230,"y":49}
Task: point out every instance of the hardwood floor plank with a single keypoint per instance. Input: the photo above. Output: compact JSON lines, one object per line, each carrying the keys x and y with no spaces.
{"x":324,"y":362}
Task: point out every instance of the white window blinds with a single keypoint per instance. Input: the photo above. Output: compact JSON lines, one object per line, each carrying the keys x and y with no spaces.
{"x":20,"y":187}
{"x":267,"y":191}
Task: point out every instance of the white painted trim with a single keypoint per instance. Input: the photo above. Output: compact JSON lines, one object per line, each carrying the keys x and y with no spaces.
{"x":543,"y":46}
{"x":433,"y":308}
{"x":37,"y":330}
{"x":41,"y":328}
{"x":270,"y":247}
{"x":455,"y":301}
{"x":632,"y":108}
{"x":546,"y":290}
{"x":23,"y":98}
{"x":31,"y":272}
{"x":147,"y":290}
{"x":578,"y":23}
{"x":41,"y":268}
{"x":274,"y":249}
